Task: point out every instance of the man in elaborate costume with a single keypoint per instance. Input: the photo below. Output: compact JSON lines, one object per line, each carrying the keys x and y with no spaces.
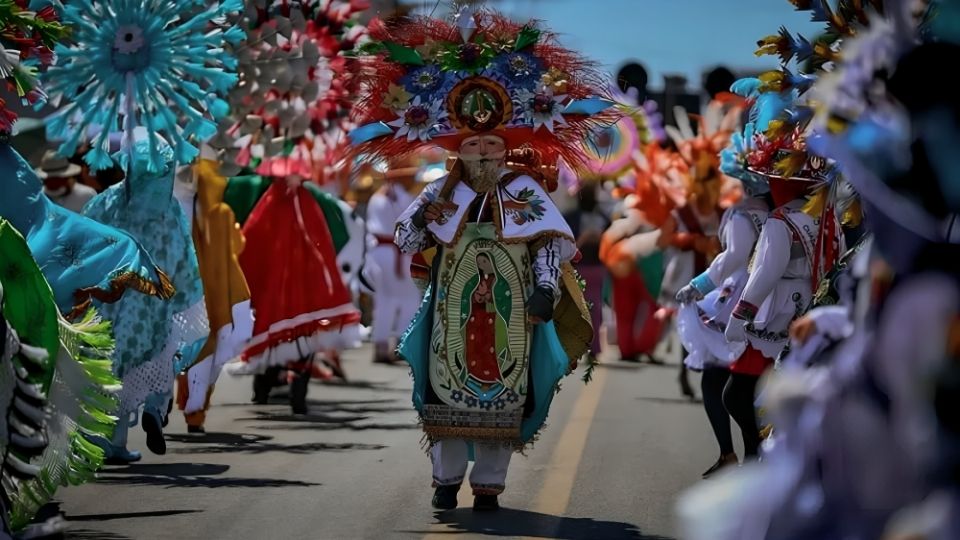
{"x":484,"y":347}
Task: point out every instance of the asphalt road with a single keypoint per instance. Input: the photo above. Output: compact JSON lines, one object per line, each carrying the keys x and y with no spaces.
{"x":609,"y":465}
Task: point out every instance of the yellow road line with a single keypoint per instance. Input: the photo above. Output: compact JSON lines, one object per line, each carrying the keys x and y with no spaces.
{"x":557,"y":487}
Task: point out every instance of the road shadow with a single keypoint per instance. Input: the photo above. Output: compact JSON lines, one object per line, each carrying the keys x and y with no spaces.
{"x":379,"y":386}
{"x":127,"y":515}
{"x":336,"y":427}
{"x":90,"y":534}
{"x":223,"y":439}
{"x":671,"y":401}
{"x":522,"y":523}
{"x":188,"y":475}
{"x":282,"y":399}
{"x":311,"y":417}
{"x":244,"y":443}
{"x":268,"y":447}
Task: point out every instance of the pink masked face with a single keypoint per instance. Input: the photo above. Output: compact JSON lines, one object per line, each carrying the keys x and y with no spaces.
{"x":482,"y":147}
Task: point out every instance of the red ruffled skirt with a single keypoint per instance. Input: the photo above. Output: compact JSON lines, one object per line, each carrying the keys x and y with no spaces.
{"x":300,"y":303}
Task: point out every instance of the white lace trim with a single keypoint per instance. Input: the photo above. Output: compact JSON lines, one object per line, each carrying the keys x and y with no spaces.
{"x":157,"y":375}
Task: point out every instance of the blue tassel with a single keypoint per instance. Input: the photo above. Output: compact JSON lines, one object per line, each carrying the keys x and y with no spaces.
{"x":186,"y":152}
{"x":219,"y":108}
{"x":98,"y":159}
{"x":234,"y":35}
{"x":231,"y":6}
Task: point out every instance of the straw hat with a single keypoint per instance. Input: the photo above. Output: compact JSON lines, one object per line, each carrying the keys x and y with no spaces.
{"x":54,"y":166}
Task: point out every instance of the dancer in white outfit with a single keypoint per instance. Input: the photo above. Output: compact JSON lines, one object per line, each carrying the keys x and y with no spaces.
{"x":386,"y":270}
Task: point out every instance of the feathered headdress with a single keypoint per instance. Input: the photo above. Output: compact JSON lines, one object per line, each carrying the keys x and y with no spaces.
{"x":863,"y":125}
{"x":27,"y":39}
{"x":290,"y":108}
{"x":434,"y":82}
{"x":154,"y":64}
{"x":700,"y":150}
{"x":781,"y":152}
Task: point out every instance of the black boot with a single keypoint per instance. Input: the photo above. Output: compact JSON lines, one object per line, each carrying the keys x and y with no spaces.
{"x":262,"y":384}
{"x":724,"y":461}
{"x":445,"y":497}
{"x":152,"y":426}
{"x":485,"y":503}
{"x":685,"y":388}
{"x":298,"y":391}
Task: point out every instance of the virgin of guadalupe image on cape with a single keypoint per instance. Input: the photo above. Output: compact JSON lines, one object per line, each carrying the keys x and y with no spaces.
{"x":486,"y":310}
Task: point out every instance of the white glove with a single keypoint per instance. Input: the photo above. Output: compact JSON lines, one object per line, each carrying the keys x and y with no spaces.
{"x":736,"y":330}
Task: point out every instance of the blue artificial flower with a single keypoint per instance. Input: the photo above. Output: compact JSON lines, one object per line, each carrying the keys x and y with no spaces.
{"x":471,"y":401}
{"x":500,"y":404}
{"x":486,"y":405}
{"x":519,"y":69}
{"x":456,"y":396}
{"x":155,"y":64}
{"x":423,"y":80}
{"x":512,"y":397}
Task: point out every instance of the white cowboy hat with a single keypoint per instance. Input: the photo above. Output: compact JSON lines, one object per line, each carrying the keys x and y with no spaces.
{"x":55,"y":166}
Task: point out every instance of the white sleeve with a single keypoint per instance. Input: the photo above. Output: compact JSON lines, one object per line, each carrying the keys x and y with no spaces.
{"x":770,"y":264}
{"x":740,"y":237}
{"x":408,"y":237}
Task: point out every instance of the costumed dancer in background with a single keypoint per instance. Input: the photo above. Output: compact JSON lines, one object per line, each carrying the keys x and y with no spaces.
{"x":218,"y":241}
{"x":485,"y":353}
{"x":60,"y":182}
{"x":782,"y":278}
{"x":162,"y":89}
{"x":242,"y":195}
{"x":301,"y":304}
{"x":879,"y":409}
{"x":286,"y":124}
{"x":630,"y":250}
{"x":386,"y":270}
{"x":587,"y":223}
{"x":708,"y":300}
{"x":689,"y":235}
{"x":609,"y":157}
{"x":152,"y":336}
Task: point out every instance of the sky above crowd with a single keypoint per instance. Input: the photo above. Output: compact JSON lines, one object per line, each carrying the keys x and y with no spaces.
{"x":668,"y":37}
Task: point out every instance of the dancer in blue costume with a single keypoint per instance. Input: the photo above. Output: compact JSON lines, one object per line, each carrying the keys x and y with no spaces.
{"x":152,"y":336}
{"x":84,"y":261}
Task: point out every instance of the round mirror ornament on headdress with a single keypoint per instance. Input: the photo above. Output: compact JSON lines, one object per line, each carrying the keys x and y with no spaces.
{"x":479,"y":104}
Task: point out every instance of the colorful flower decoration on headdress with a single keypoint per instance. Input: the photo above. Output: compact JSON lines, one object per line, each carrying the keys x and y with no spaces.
{"x":26,"y":42}
{"x":156,"y":64}
{"x":429,"y":81}
{"x":295,"y":88}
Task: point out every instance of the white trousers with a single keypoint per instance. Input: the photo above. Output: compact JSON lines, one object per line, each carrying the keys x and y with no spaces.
{"x":489,"y":474}
{"x":396,"y":297}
